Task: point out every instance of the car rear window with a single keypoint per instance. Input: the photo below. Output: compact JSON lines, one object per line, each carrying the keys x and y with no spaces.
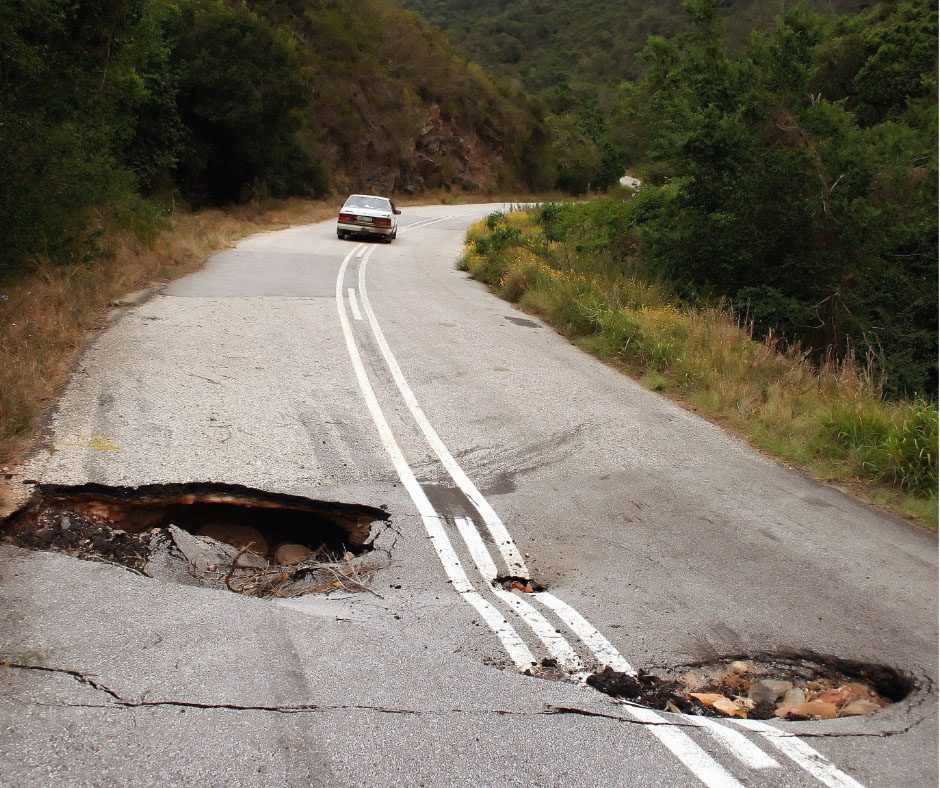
{"x":376,"y":203}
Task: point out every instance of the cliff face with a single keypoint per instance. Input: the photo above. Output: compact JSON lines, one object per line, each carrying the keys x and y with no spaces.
{"x":395,"y":110}
{"x":434,"y":154}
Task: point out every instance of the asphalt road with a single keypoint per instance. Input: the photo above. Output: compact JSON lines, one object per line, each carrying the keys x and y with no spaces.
{"x":378,"y":374}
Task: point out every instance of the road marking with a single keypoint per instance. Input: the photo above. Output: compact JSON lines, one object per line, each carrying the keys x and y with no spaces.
{"x":700,"y":763}
{"x":518,"y":651}
{"x":677,"y":741}
{"x":680,"y":744}
{"x":426,"y":222}
{"x":740,"y":746}
{"x":501,"y":537}
{"x":354,"y":304}
{"x":602,"y":648}
{"x":605,"y":651}
{"x":802,"y":754}
{"x":556,"y":644}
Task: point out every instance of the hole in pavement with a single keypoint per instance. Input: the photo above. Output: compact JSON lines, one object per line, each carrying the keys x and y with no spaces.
{"x":218,"y":535}
{"x":515,"y":583}
{"x":783,"y":686}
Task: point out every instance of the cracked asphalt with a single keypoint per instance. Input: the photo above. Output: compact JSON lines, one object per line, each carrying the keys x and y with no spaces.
{"x":671,"y":537}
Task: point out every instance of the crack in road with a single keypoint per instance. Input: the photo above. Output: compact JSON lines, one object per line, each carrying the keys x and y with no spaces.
{"x":119,"y":701}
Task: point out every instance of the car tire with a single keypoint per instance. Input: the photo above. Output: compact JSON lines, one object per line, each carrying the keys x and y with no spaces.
{"x":342,"y":234}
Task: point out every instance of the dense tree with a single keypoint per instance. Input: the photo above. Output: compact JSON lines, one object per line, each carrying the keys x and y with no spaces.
{"x":108,"y":107}
{"x":817,"y":223}
{"x":242,"y":98}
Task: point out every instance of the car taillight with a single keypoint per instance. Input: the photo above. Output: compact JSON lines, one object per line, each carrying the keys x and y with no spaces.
{"x":380,"y":222}
{"x":347,"y":217}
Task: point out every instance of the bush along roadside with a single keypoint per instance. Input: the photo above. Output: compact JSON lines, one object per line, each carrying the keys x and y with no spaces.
{"x":827,"y":418}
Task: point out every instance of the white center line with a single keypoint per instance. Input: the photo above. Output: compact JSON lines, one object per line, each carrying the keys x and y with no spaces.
{"x":743,"y":748}
{"x":514,"y":645}
{"x":802,"y":754}
{"x":699,"y":762}
{"x":354,"y":304}
{"x":501,"y":537}
{"x":544,"y":631}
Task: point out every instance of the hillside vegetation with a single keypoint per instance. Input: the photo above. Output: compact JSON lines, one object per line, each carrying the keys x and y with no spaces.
{"x":554,"y":45}
{"x":793,"y":178}
{"x":113,"y":110}
{"x":829,"y":419}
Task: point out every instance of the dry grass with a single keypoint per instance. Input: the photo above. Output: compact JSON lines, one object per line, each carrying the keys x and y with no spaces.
{"x":45,"y":316}
{"x":829,"y":420}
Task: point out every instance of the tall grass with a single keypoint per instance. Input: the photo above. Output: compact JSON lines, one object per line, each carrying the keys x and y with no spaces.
{"x":830,"y":420}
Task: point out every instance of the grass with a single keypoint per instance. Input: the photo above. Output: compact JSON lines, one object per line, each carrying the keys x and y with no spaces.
{"x":830,"y":421}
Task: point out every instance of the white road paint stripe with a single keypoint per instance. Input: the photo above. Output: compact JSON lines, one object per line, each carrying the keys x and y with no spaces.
{"x":601,"y":647}
{"x":514,"y":645}
{"x":680,"y":744}
{"x":426,"y":222}
{"x":802,"y":754}
{"x":558,"y":647}
{"x":354,"y":304}
{"x":481,"y":556}
{"x":740,"y":746}
{"x":501,"y":537}
{"x":706,"y":768}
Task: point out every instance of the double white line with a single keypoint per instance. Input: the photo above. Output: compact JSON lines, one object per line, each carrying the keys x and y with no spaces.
{"x":700,"y":763}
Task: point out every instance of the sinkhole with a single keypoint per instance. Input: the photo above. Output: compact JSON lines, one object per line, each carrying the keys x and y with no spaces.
{"x":219,"y":535}
{"x":791,"y":686}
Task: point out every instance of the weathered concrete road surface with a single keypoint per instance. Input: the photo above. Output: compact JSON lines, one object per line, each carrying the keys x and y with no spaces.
{"x":380,"y":375}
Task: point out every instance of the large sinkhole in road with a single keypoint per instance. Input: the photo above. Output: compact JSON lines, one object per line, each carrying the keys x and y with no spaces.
{"x":217,"y":535}
{"x":790,"y":686}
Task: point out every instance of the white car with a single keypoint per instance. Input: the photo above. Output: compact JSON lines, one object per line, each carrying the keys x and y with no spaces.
{"x":368,"y":214}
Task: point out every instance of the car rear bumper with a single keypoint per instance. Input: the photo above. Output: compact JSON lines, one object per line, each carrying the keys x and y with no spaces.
{"x":364,"y":229}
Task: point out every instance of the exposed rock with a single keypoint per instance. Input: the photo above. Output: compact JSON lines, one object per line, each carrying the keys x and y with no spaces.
{"x":837,"y":695}
{"x":811,"y":710}
{"x":206,"y":553}
{"x":291,"y":554}
{"x":729,"y":708}
{"x":793,"y":697}
{"x":707,"y":699}
{"x":859,"y":707}
{"x":236,"y":535}
{"x":768,"y":690}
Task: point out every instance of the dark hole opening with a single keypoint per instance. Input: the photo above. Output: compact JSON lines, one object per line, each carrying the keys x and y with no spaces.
{"x":237,"y":515}
{"x":793,"y":686}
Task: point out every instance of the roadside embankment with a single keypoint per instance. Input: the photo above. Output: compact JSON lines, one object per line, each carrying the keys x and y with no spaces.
{"x":46,"y":314}
{"x":829,"y":420}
